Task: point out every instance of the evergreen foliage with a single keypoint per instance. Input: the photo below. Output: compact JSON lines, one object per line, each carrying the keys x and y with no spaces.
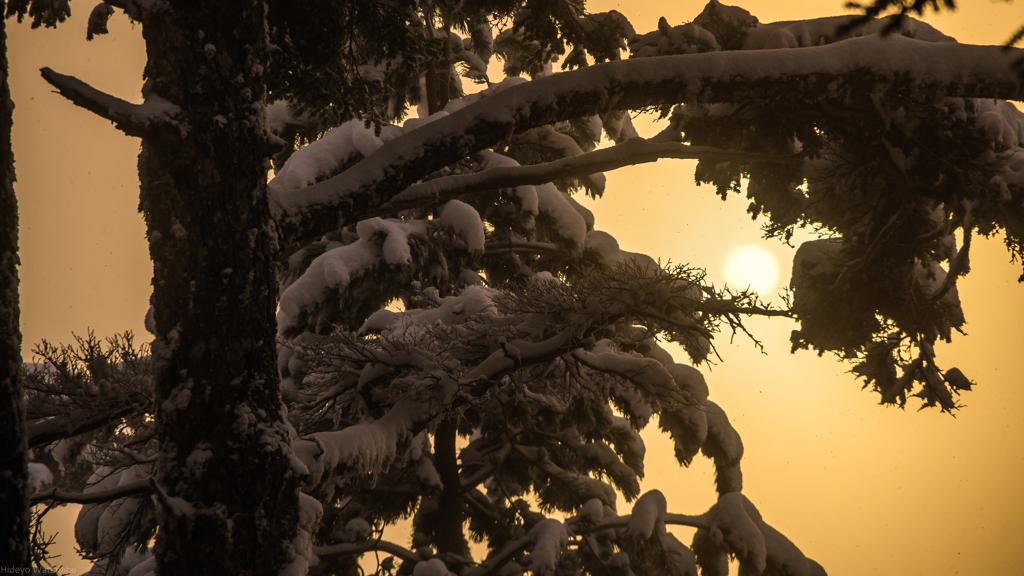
{"x":469,"y":350}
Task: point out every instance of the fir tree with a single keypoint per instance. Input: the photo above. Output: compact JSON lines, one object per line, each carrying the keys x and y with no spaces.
{"x":522,"y":329}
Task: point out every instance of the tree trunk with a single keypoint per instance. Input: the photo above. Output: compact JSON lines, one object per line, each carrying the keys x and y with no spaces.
{"x":231,"y":502}
{"x":14,"y":508}
{"x":450,"y":536}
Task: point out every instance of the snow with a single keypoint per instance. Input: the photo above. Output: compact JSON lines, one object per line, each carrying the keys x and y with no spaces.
{"x":733,"y":527}
{"x":474,"y":301}
{"x":369,"y":447}
{"x":310,"y":509}
{"x":962,"y":70}
{"x":816,"y":258}
{"x":549,"y":538}
{"x":464,"y":220}
{"x":144,"y":568}
{"x":39,"y":475}
{"x":606,"y":248}
{"x":317,"y":159}
{"x":359,"y":528}
{"x":432,"y":567}
{"x":648,"y":375}
{"x":819,"y":31}
{"x":723,"y":442}
{"x":567,"y":222}
{"x":690,"y":381}
{"x":87,"y":532}
{"x":648,"y":512}
{"x":116,"y":518}
{"x":592,"y":512}
{"x":667,"y":40}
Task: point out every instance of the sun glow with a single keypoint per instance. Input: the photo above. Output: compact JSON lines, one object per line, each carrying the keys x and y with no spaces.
{"x":752,"y":266}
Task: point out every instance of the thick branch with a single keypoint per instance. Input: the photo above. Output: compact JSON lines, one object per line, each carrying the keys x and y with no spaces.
{"x":50,"y":430}
{"x":501,"y":558}
{"x":831,"y":71}
{"x":137,"y":488}
{"x":369,"y":545}
{"x":727,"y":307}
{"x":701,"y":521}
{"x":630,"y":152}
{"x":132,"y":119}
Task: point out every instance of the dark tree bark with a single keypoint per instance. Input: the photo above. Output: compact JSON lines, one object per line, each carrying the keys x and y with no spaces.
{"x":231,"y":502}
{"x":450,"y":536}
{"x":14,"y":506}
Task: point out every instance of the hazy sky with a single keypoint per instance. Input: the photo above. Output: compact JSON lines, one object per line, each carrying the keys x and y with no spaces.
{"x":861,"y":488}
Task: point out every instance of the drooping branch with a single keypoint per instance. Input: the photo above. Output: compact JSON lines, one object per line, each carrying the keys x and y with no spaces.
{"x":630,"y":152}
{"x":699,"y":521}
{"x":368,"y":546}
{"x":43,"y":432}
{"x":136,"y":488}
{"x":835,"y":70}
{"x":729,"y":307}
{"x":132,"y":119}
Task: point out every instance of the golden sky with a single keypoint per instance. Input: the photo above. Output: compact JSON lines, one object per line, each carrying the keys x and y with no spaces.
{"x":861,"y":488}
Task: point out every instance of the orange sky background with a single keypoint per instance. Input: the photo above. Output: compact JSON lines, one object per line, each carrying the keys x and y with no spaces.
{"x":861,"y":488}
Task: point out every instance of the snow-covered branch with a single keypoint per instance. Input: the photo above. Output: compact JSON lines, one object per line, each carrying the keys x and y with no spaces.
{"x":699,"y":521}
{"x":132,"y":119}
{"x":830,"y":71}
{"x":357,"y":548}
{"x":43,"y":432}
{"x":630,"y":152}
{"x":730,"y":307}
{"x":136,"y":488}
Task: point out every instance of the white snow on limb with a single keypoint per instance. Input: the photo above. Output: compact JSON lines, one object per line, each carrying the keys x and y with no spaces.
{"x":427,"y":474}
{"x":723,"y":441}
{"x":333,"y":269}
{"x":733,"y":527}
{"x":820,"y":31}
{"x":414,"y":123}
{"x":566,"y":221}
{"x":648,"y":512}
{"x":931,"y":276}
{"x":649,"y":375}
{"x":386,"y":240}
{"x":359,"y":528}
{"x":549,"y":538}
{"x":1001,"y":122}
{"x":607,"y":250}
{"x":679,"y":560}
{"x":783,"y":557}
{"x":369,"y":447}
{"x":117,"y":518}
{"x":317,"y":159}
{"x":474,"y":301}
{"x":959,"y":70}
{"x":690,"y":381}
{"x":393,"y":235}
{"x":144,"y":568}
{"x":39,"y":475}
{"x":667,"y":40}
{"x":133,"y":119}
{"x":98,"y":19}
{"x":279,"y":117}
{"x":591,"y":513}
{"x":87,"y":524}
{"x":432,"y":567}
{"x":687,"y":425}
{"x":310,"y":510}
{"x":816,"y":258}
{"x":465,"y":221}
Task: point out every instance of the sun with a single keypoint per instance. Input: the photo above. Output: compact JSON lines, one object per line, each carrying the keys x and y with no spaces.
{"x":752,"y":266}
